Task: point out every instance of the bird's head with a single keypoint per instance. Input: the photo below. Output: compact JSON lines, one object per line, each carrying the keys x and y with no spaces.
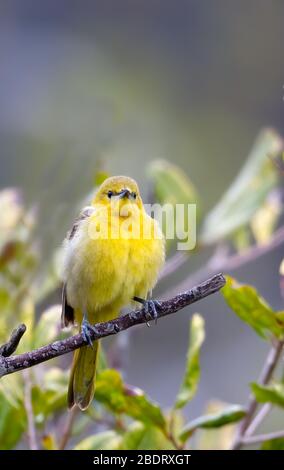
{"x":120,"y":191}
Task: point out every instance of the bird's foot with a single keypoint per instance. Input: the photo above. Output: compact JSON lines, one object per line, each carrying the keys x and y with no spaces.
{"x":87,"y":329}
{"x":150,"y":307}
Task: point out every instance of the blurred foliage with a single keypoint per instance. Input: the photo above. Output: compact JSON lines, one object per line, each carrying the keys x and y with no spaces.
{"x":171,"y":186}
{"x":252,"y":309}
{"x":218,"y":438}
{"x":122,"y":416}
{"x":248,"y":192}
{"x":273,"y":393}
{"x":192,"y":373}
{"x":228,"y":415}
{"x":273,"y":444}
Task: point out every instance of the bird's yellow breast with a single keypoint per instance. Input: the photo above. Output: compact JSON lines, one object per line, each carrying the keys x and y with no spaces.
{"x":104,"y":274}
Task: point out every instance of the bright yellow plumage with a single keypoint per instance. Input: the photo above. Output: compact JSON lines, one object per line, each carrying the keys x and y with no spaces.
{"x":113,"y":254}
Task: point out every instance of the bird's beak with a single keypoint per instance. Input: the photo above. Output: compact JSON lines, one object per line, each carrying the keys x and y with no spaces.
{"x":124,"y":193}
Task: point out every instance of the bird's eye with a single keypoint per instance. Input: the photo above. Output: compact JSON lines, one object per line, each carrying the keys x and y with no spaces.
{"x":109,"y":194}
{"x":134,"y":195}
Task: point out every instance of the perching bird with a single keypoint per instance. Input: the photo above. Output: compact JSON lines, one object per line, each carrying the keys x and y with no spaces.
{"x":112,"y":257}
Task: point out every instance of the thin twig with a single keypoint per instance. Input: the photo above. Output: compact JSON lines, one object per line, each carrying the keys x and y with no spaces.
{"x":258,"y":419}
{"x":68,"y":428}
{"x":29,"y":410}
{"x":226,"y":262}
{"x":265,"y":376}
{"x":262,"y":438}
{"x":171,"y":437}
{"x":9,"y":365}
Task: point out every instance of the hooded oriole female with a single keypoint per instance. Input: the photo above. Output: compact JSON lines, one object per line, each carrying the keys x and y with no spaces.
{"x":112,"y":257}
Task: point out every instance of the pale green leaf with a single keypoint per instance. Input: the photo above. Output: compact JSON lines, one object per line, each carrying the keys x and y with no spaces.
{"x":12,"y":423}
{"x":229,"y":415}
{"x":192,"y":373}
{"x":273,"y":393}
{"x":12,"y":388}
{"x":133,"y":436}
{"x":264,"y":221}
{"x":123,"y":399}
{"x":139,"y":436}
{"x":248,"y":192}
{"x":50,"y":396}
{"x":172,"y":186}
{"x":220,"y":438}
{"x":252,"y":309}
{"x":107,"y":440}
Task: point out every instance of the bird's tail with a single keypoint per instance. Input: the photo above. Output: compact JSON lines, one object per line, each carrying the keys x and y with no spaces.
{"x":83,"y":374}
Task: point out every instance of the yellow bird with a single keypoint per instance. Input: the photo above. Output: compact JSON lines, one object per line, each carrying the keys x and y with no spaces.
{"x":112,"y":257}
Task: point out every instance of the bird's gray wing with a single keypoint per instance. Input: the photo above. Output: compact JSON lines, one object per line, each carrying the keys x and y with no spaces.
{"x":67,"y":313}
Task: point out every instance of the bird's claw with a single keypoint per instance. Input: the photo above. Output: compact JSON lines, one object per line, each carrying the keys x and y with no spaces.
{"x":87,"y":329}
{"x":150,"y":308}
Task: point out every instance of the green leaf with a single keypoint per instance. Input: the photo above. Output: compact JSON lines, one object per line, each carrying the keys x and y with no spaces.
{"x":12,"y":423}
{"x":264,"y":221}
{"x":141,"y":408}
{"x":139,"y":436}
{"x":50,"y":396}
{"x":273,"y":393}
{"x":172,"y":186}
{"x":192,"y":372}
{"x":109,"y":390}
{"x":107,"y":440}
{"x":252,"y":309}
{"x":47,"y":329}
{"x":123,"y":399}
{"x":248,"y":192}
{"x":273,"y":444}
{"x":229,"y":415}
{"x":134,"y":436}
{"x":55,"y":382}
{"x":12,"y":388}
{"x":215,"y":438}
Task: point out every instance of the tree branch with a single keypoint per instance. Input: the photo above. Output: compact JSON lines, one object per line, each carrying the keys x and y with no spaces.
{"x":258,"y":419}
{"x":265,"y":376}
{"x":9,"y":365}
{"x":29,"y":410}
{"x":223,"y":261}
{"x":263,"y":437}
{"x":68,"y":428}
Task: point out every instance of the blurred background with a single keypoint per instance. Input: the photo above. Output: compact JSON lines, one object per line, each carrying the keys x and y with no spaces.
{"x":111,"y":86}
